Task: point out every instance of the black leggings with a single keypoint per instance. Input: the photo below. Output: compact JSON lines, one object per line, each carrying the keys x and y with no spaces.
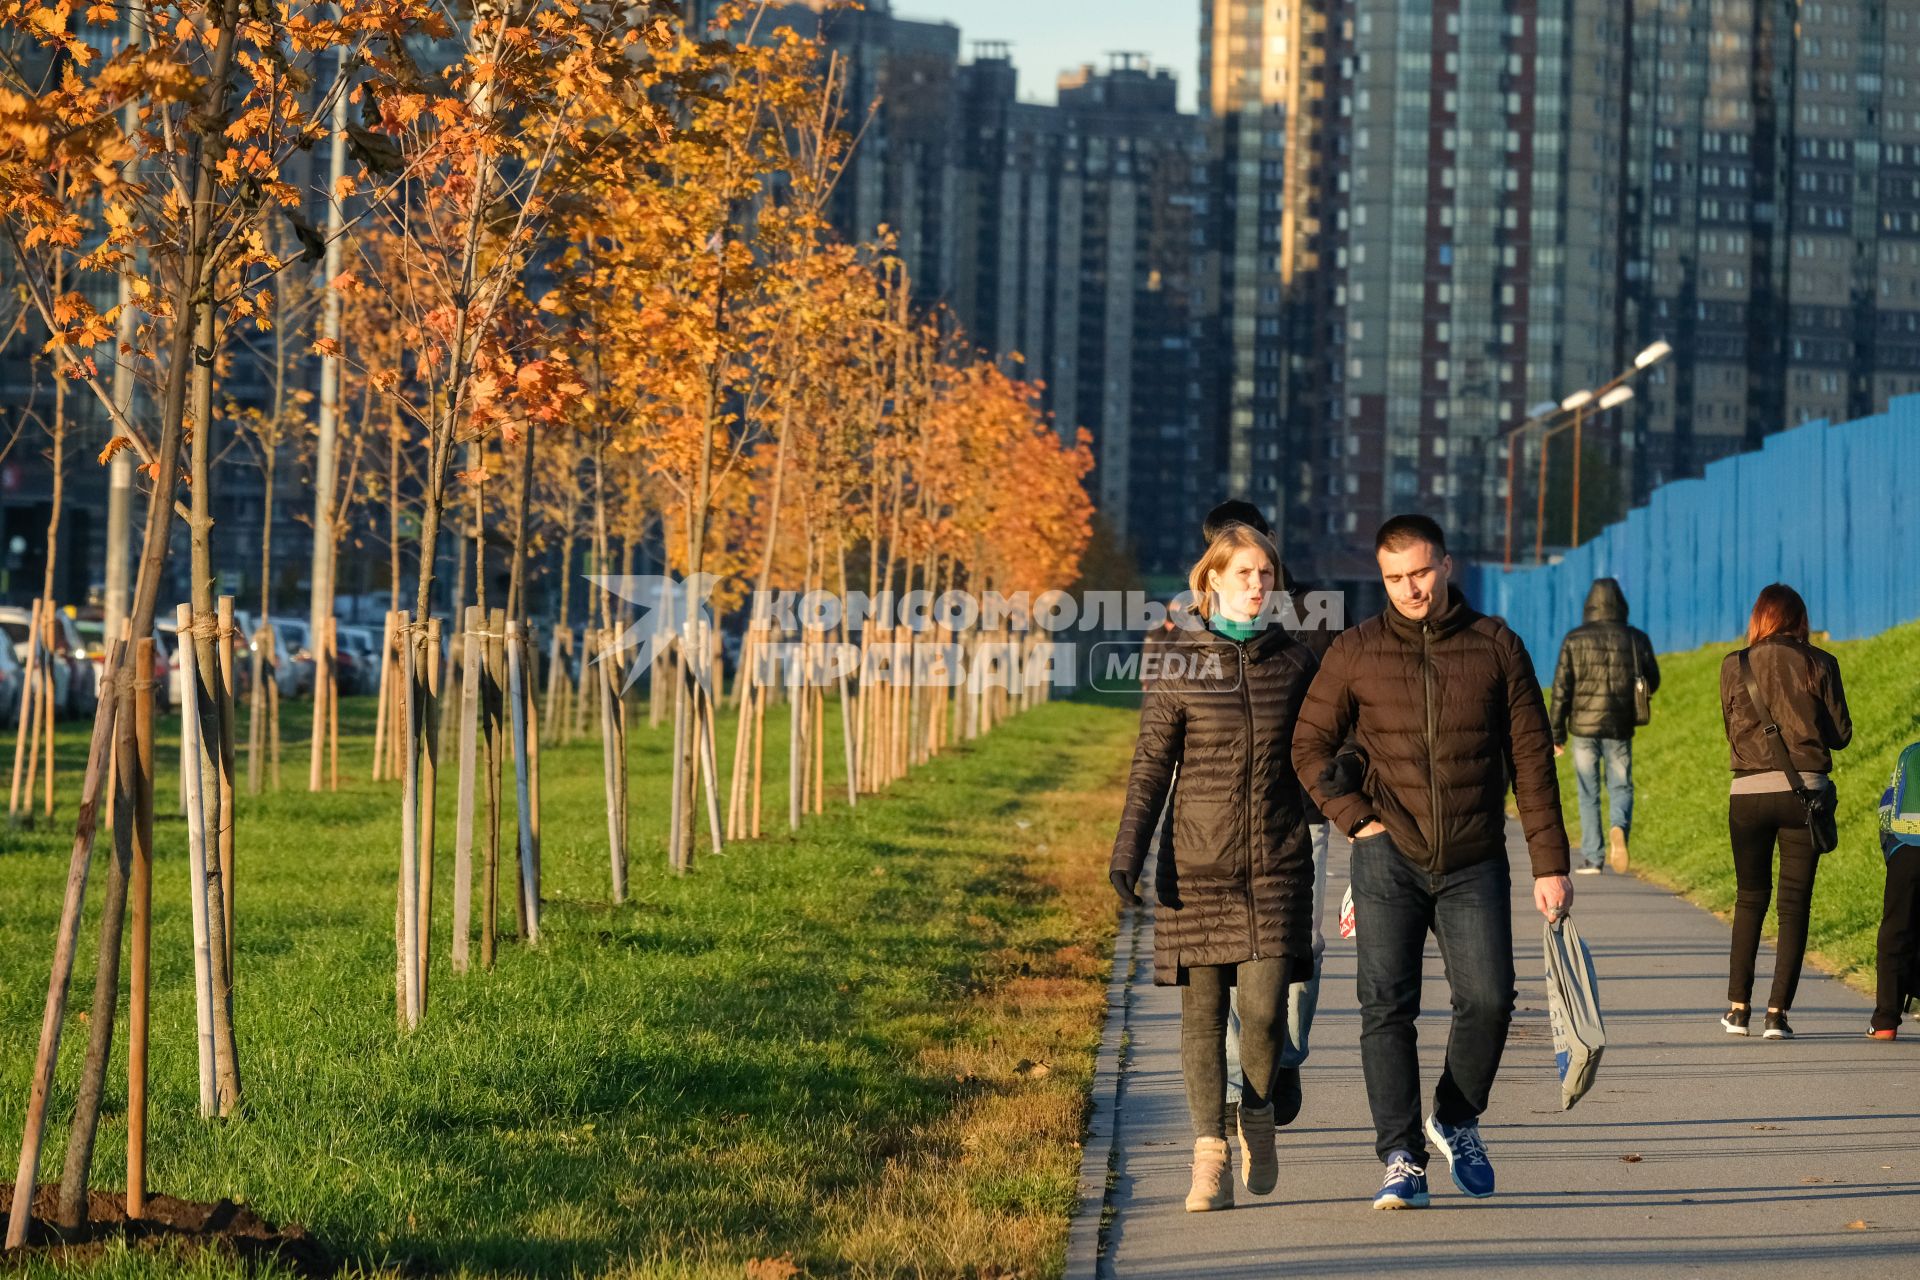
{"x":1203,"y":1036}
{"x":1754,"y":823}
{"x":1899,"y":968}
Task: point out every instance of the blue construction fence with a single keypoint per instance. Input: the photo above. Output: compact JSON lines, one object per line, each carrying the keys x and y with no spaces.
{"x":1831,"y":510}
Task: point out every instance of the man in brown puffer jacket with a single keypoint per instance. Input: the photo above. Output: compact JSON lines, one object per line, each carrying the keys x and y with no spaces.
{"x":1445,"y":706}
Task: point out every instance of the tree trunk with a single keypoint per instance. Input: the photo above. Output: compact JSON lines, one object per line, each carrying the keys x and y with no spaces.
{"x":205,"y":640}
{"x":516,"y":580}
{"x":326,"y":448}
{"x":194,"y":294}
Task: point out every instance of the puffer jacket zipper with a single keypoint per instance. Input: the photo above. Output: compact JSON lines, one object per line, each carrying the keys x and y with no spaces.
{"x":1433,"y":777}
{"x":1246,"y":703}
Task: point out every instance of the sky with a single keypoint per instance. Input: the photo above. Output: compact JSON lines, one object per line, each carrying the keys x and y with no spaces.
{"x":1050,"y":36}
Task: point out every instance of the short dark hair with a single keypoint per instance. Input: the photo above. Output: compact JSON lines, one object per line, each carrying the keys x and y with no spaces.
{"x":1234,"y":511}
{"x":1396,"y":533}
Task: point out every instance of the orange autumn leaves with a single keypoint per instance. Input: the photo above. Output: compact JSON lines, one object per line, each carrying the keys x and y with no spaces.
{"x":559,"y":218}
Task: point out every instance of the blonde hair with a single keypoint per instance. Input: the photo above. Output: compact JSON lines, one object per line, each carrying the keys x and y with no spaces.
{"x":1220,"y":552}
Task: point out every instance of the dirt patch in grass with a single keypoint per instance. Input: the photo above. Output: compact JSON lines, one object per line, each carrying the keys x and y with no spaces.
{"x":230,"y":1229}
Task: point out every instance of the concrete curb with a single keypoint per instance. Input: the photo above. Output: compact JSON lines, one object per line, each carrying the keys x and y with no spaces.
{"x":1103,"y":1124}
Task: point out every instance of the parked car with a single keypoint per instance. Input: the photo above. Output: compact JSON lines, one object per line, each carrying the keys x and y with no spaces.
{"x":295,"y":665}
{"x":291,"y":657}
{"x":13,"y":679}
{"x":67,"y":701}
{"x":363,"y":645}
{"x":166,"y":676}
{"x":84,"y":690}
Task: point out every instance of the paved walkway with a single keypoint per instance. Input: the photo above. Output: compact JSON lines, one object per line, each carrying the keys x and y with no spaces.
{"x":1696,"y":1153}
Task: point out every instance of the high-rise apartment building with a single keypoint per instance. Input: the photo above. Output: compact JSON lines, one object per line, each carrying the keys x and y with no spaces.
{"x":1085,"y":247}
{"x":1263,"y":93}
{"x":1074,"y":242}
{"x":1471,"y":229}
{"x":1773,"y":225}
{"x":1509,"y":201}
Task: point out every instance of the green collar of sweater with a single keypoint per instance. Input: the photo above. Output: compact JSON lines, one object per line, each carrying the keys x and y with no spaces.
{"x":1234,"y":630}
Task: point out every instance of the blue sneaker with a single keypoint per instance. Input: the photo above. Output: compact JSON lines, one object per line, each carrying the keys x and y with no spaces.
{"x":1405,"y":1186}
{"x":1466,"y":1156}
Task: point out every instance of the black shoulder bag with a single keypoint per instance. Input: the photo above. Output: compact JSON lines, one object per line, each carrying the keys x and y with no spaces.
{"x":1822,"y":828}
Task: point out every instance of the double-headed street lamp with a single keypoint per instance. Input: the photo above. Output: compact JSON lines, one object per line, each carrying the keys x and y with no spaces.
{"x":1608,"y":395}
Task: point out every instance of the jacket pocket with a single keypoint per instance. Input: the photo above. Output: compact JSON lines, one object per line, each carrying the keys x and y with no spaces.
{"x":1207,"y":845}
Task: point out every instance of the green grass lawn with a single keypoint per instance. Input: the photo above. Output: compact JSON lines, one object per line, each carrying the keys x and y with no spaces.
{"x":1681,"y":774}
{"x":819,"y":1045}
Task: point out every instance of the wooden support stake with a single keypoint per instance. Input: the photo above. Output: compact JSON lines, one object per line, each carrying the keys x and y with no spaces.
{"x":136,"y":802}
{"x":66,"y":938}
{"x":463,"y":821}
{"x":522,"y":783}
{"x":195,"y":784}
{"x":409,"y":958}
{"x":28,"y":729}
{"x":429,"y":799}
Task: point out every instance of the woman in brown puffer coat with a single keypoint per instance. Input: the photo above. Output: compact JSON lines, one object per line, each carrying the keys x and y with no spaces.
{"x":1235,"y":907}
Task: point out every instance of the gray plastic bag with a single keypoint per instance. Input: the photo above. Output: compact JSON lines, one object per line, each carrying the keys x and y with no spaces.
{"x":1573,"y":1006}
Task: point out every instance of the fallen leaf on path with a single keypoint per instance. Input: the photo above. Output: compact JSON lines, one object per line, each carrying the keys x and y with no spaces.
{"x":1632,"y":1159}
{"x":1812,"y":1182}
{"x":1859,"y":1224}
{"x":1764,"y":1127}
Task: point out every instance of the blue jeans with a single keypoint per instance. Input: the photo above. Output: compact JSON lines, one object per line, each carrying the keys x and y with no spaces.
{"x":1302,"y":997}
{"x":1395,"y":905}
{"x":1589,"y":756}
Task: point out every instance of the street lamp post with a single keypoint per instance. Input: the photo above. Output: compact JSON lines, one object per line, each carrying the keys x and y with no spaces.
{"x":1538,"y":414}
{"x":1610,"y":394}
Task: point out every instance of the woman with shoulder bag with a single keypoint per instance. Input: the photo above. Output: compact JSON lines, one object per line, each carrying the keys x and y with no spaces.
{"x":1234,"y":908}
{"x":1785,"y":713}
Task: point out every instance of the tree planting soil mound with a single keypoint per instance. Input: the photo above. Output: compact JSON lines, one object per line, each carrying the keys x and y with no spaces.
{"x":225,"y":1226}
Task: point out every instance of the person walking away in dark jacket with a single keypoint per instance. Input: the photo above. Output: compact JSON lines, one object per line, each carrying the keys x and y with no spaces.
{"x":1594,"y":705}
{"x":1443,"y":703}
{"x":1898,"y":968}
{"x":1233,"y":906}
{"x":1800,"y":686}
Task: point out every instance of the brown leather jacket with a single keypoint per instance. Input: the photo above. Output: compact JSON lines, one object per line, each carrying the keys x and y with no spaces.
{"x":1448,"y":712}
{"x":1801,"y":686}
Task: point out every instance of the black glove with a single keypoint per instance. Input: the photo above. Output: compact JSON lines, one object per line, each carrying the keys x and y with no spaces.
{"x":1123,"y":883}
{"x":1343,"y":775}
